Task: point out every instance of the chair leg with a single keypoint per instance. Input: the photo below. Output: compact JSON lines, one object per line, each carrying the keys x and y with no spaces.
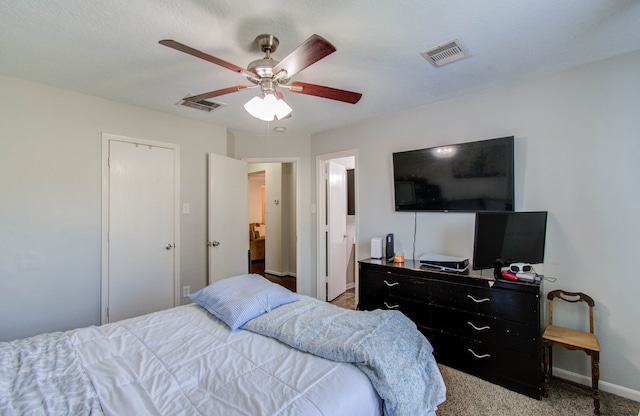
{"x":595,"y":376}
{"x":546,"y":353}
{"x":550,"y":361}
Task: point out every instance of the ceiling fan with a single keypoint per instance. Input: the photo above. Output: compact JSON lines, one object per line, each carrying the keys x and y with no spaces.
{"x":269,"y":74}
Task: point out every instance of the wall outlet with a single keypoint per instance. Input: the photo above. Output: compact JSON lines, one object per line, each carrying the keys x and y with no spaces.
{"x":186,"y":291}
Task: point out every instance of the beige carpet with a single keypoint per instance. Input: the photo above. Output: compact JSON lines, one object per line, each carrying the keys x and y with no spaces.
{"x":470,"y":396}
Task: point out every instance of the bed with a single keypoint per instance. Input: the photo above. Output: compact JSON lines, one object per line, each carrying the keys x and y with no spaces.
{"x":220,"y":356}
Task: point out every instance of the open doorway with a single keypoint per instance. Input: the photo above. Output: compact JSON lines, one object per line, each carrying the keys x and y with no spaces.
{"x":273,"y":216}
{"x":337,"y":228}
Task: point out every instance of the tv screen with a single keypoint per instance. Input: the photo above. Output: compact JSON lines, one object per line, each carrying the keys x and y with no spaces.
{"x":475,"y":176}
{"x":513,"y":236}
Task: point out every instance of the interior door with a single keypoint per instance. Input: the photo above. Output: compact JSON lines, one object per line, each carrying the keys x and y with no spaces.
{"x":337,"y":230}
{"x":141,"y":229}
{"x":228,"y":231}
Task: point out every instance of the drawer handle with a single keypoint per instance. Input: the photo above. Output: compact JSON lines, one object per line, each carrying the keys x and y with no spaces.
{"x":479,"y":356}
{"x":391,"y":306}
{"x":482,"y":328}
{"x":478,"y":300}
{"x":391,"y":284}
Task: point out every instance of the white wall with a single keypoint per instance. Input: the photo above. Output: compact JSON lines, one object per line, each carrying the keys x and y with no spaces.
{"x":577,"y":151}
{"x":289,"y":200}
{"x":256,"y":184}
{"x":282,"y":147}
{"x":351,"y":266}
{"x":50,"y":187}
{"x":273,"y":220}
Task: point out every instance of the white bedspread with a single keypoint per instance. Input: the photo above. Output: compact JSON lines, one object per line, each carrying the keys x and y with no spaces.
{"x":183,"y":361}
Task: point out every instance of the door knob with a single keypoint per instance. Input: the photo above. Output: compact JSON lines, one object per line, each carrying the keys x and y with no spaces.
{"x":214,"y":243}
{"x":168,"y":246}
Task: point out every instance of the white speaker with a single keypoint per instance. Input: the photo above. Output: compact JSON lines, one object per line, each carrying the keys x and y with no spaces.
{"x":376,"y":248}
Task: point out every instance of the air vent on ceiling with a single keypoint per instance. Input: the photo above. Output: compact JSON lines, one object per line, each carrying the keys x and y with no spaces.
{"x":202,"y":105}
{"x":445,"y":54}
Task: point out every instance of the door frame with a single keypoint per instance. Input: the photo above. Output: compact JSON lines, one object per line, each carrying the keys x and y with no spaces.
{"x":321,"y":212}
{"x":295,"y":160}
{"x":104,"y":256}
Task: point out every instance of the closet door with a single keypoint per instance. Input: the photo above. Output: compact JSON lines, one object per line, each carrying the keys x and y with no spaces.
{"x":142,"y":227}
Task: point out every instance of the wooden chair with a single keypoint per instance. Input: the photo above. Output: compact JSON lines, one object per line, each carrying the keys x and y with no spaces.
{"x":573,"y":340}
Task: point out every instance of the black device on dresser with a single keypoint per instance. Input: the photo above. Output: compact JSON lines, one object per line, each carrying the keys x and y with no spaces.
{"x":484,"y":327}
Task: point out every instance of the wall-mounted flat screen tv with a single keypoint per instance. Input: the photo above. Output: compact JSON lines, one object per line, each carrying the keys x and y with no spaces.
{"x":475,"y":176}
{"x":512,"y":236}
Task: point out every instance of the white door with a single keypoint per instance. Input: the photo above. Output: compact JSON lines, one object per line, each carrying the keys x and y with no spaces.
{"x":337,"y":230}
{"x":141,"y":272}
{"x":228,"y":232}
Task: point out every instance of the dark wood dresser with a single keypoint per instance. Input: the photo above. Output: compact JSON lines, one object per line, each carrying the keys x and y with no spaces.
{"x":487,"y":328}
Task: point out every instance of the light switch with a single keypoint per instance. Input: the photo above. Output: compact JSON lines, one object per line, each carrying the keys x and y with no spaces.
{"x":186,"y":208}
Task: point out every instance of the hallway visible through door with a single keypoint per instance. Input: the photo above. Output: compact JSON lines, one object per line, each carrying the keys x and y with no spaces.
{"x":273,"y":221}
{"x":337,"y":212}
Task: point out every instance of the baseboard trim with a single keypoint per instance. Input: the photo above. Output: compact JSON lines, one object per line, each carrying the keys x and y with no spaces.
{"x":621,"y":391}
{"x":280,"y":274}
{"x":350,"y":285}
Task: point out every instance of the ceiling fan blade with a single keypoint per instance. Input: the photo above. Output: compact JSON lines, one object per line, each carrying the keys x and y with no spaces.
{"x":325,"y":92}
{"x":199,"y":54}
{"x":311,"y":51}
{"x":211,"y":94}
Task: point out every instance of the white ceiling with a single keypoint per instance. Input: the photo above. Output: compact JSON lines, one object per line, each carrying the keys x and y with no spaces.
{"x":110,"y":49}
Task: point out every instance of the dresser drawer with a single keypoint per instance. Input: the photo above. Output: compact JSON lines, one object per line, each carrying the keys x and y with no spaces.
{"x":487,"y":329}
{"x":512,"y":369}
{"x":501,"y":303}
{"x":396,"y":284}
{"x":416,"y":311}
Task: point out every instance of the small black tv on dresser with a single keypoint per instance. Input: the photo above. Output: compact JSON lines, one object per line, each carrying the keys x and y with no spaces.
{"x":513,"y":236}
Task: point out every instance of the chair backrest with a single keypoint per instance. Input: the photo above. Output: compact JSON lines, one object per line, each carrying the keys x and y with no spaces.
{"x":572,"y":297}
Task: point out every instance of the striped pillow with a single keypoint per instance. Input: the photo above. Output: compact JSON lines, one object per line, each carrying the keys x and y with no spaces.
{"x":238,"y":299}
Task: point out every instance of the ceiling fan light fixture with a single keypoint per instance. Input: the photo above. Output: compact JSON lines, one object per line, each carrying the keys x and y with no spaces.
{"x":267,"y":108}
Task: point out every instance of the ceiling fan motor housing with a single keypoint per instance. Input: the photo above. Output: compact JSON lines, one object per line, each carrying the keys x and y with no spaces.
{"x":267,"y":43}
{"x":268,"y":86}
{"x":263,"y":67}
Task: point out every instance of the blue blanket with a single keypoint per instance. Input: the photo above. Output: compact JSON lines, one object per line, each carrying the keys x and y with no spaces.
{"x":385,"y":345}
{"x":42,"y":375}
